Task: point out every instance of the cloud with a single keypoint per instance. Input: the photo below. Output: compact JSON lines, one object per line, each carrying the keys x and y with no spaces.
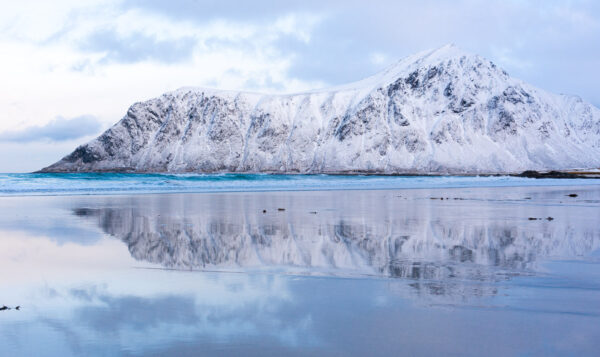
{"x":201,"y":11}
{"x":138,"y":46}
{"x":59,"y":129}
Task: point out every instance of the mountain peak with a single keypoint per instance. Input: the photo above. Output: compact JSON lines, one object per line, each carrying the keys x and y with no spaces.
{"x":448,"y":55}
{"x":434,"y":56}
{"x":449,"y":50}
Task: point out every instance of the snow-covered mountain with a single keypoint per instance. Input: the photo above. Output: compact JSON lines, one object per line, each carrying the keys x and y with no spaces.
{"x":441,"y":111}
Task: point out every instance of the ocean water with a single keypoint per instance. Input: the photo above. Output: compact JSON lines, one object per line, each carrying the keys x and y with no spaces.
{"x":109,"y":183}
{"x":498,"y":271}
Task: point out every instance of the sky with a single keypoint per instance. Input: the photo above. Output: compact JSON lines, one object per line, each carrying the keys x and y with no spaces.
{"x":70,"y":69}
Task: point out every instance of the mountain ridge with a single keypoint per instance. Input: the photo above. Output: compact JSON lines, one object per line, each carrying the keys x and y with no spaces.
{"x":442,"y":111}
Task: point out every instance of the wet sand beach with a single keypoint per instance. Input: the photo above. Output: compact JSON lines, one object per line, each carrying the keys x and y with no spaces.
{"x":448,"y":271}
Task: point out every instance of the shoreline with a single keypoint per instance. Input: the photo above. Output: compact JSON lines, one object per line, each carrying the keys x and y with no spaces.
{"x":560,"y":174}
{"x":107,"y":193}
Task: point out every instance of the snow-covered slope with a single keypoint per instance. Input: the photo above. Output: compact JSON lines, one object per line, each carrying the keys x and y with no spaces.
{"x":441,"y":111}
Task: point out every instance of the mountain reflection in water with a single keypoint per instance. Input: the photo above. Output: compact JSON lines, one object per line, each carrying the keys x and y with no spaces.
{"x":358,"y":233}
{"x":371,"y":273}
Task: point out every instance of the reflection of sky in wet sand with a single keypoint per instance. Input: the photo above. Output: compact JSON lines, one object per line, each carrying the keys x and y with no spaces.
{"x":370,"y":273}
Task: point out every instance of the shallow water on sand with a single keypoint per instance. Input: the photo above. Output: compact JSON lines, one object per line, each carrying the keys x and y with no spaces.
{"x":483,"y":271}
{"x":28,"y":184}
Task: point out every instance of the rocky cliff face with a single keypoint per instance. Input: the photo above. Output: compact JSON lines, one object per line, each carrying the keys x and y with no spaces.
{"x":442,"y":111}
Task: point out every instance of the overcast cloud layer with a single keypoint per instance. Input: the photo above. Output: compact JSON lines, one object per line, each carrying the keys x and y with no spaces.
{"x":70,"y":59}
{"x":59,"y":129}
